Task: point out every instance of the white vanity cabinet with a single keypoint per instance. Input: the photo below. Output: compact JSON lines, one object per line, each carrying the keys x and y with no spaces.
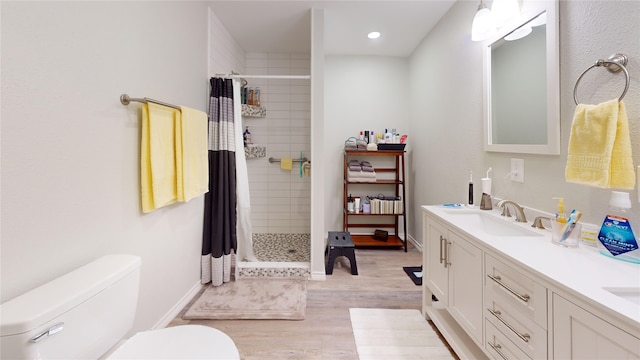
{"x":454,"y":275}
{"x":521,"y":297}
{"x":579,"y":334}
{"x":516,"y":306}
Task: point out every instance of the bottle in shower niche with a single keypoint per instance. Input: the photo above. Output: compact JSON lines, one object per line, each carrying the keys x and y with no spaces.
{"x":243,"y":95}
{"x":250,"y":95}
{"x":247,"y":136}
{"x":256,"y":96}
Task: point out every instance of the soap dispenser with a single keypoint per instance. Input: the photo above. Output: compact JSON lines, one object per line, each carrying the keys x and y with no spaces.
{"x":561,"y":215}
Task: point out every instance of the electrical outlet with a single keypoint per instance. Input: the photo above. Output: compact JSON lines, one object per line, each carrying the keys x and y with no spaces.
{"x":517,"y":170}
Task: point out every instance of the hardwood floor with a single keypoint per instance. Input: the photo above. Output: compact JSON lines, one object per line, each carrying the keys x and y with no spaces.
{"x":326,"y":331}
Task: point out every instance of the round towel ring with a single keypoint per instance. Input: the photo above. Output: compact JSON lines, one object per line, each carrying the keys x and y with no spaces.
{"x":614,"y":63}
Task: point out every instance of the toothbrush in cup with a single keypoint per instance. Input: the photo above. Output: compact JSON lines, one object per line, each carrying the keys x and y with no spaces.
{"x":574,"y":217}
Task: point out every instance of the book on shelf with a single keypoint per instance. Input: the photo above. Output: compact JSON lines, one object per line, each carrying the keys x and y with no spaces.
{"x":391,"y":207}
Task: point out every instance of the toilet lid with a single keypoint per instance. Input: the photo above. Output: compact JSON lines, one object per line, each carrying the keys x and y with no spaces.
{"x":179,"y":342}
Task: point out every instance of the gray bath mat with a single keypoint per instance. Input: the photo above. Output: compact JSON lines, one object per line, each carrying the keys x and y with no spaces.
{"x":252,"y":298}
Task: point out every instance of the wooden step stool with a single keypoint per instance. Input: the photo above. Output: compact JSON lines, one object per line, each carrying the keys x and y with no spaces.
{"x":340,"y":244}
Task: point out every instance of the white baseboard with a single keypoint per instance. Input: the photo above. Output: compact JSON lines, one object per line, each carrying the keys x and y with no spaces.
{"x":318,"y":276}
{"x":175,"y":310}
{"x":416,"y":244}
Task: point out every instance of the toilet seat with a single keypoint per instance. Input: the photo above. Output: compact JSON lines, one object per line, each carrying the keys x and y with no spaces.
{"x":179,"y":342}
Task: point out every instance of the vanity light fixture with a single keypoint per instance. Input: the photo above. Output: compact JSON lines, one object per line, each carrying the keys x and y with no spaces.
{"x":483,"y":26}
{"x":539,"y":20}
{"x":504,"y":11}
{"x":519,"y":33}
{"x":373,"y":35}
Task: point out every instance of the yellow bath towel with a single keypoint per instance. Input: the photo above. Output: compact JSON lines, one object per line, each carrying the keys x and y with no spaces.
{"x":600,"y":147}
{"x":192,"y":160}
{"x":157,"y":157}
{"x":286,"y":163}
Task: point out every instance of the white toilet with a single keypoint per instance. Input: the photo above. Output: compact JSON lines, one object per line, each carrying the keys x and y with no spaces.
{"x":86,"y":313}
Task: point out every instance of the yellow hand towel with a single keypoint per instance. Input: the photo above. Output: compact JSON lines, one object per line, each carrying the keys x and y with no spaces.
{"x":192,"y":162}
{"x":157,"y":160}
{"x":623,"y":175}
{"x":600,"y":147}
{"x":286,"y":163}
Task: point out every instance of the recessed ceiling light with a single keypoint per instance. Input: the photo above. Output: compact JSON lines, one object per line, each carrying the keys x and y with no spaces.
{"x":373,"y":35}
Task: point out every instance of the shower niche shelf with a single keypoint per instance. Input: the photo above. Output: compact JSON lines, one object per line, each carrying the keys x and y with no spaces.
{"x":253,"y":151}
{"x":390,"y":181}
{"x":254,"y":111}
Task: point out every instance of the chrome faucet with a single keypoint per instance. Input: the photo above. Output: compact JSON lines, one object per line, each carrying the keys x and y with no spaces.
{"x":520,"y":217}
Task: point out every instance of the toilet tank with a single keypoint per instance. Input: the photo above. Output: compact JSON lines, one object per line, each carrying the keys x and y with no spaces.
{"x":80,"y":315}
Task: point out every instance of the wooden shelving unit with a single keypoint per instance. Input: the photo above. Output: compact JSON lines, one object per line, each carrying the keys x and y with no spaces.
{"x":388,"y":222}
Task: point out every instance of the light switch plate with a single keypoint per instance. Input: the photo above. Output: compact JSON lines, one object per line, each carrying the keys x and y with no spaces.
{"x":517,"y":170}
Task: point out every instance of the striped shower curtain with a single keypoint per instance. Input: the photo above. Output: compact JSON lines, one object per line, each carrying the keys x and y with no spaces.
{"x":219,"y":234}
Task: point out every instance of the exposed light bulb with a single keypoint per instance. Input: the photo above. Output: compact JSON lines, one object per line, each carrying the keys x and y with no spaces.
{"x":373,"y":35}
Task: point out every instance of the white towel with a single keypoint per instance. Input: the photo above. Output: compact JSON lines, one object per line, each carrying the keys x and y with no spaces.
{"x":361,"y":174}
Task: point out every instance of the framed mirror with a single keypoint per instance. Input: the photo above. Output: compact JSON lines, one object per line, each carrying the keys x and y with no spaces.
{"x":522,"y":83}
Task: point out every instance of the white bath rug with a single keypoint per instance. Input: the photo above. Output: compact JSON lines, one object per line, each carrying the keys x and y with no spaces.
{"x":395,"y":334}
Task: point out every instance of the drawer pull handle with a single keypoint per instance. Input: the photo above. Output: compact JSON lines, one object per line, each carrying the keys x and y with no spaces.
{"x":496,"y":348}
{"x":498,"y":280}
{"x":496,"y":313}
{"x":441,"y":247}
{"x":447,"y":246}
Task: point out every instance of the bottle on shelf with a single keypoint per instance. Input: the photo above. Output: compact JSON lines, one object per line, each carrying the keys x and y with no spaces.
{"x":250,"y":96}
{"x":247,"y":137}
{"x":256,"y":96}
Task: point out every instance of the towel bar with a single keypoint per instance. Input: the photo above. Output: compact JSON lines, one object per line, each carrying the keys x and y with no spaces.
{"x":613,"y":63}
{"x":274,"y":160}
{"x":126,"y":100}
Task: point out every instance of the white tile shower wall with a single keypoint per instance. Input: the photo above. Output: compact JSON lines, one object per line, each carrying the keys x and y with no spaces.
{"x":225,"y":54}
{"x":280,"y":200}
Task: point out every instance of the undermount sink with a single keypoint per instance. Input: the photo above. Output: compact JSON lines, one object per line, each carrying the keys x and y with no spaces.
{"x":490,"y":224}
{"x":628,"y":293}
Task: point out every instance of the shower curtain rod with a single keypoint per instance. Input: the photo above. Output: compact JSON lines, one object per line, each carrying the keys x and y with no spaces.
{"x":236,"y":76}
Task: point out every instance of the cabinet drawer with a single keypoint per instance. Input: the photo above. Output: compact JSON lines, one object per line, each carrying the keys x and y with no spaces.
{"x":517,"y":327}
{"x":513,"y":287}
{"x":499,"y":346}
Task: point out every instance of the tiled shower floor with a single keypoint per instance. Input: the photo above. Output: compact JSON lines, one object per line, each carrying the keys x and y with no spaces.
{"x":282,"y":247}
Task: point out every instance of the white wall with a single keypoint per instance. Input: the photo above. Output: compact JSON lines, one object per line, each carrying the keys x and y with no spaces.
{"x":280,"y":199}
{"x":70,"y":150}
{"x":362,"y":92}
{"x":446,"y":108}
{"x":225,"y":54}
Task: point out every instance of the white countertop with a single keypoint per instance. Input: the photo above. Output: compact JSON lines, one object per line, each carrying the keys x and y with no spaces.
{"x":582,"y":271}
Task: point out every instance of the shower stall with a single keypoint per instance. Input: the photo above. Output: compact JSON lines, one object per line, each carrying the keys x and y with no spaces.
{"x":280,"y":191}
{"x":280,"y":196}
